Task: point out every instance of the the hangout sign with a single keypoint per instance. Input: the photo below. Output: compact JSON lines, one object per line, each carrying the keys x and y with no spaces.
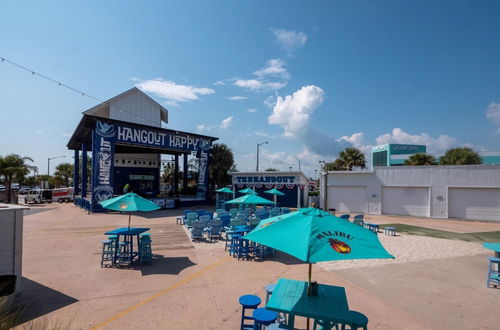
{"x":159,"y":139}
{"x":106,"y":135}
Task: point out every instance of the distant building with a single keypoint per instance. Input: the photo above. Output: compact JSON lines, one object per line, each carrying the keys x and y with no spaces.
{"x":394,"y":154}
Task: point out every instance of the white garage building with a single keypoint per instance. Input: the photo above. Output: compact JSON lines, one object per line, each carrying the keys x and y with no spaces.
{"x":465,"y":192}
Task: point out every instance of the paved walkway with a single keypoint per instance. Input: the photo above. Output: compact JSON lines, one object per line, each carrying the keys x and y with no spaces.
{"x":189,"y":288}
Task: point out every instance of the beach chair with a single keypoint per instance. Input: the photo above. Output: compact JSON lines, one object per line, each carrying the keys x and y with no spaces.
{"x":263,"y":215}
{"x":197,"y":231}
{"x":214,"y":229}
{"x":200,"y":212}
{"x":190,"y":218}
{"x":358,"y":220}
{"x":233,"y":212}
{"x":226,"y":220}
{"x":285,"y":210}
{"x":345,"y":217}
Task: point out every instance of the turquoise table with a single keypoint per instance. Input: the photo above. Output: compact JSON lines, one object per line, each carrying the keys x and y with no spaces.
{"x":291,"y":297}
{"x":493,"y":246}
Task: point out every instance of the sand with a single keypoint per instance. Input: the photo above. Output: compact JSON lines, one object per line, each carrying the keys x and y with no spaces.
{"x":411,"y":248}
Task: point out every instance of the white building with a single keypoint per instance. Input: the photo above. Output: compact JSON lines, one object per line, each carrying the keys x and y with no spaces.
{"x":465,"y":192}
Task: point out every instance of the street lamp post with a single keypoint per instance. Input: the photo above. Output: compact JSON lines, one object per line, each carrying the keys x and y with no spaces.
{"x":298,"y":161}
{"x":258,"y":146}
{"x":48,"y":162}
{"x":321,"y":166}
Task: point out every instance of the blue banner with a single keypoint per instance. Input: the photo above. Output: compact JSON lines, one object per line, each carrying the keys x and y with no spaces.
{"x":103,"y":151}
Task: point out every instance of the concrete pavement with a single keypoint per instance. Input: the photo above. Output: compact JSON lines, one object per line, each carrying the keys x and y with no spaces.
{"x":188,"y":288}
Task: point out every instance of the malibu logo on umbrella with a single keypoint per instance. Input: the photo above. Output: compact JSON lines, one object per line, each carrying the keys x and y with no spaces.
{"x":337,"y":245}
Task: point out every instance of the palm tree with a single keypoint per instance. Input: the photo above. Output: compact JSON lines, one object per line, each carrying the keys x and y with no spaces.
{"x":420,"y":159}
{"x":13,"y":167}
{"x":460,"y":156}
{"x":352,"y":157}
{"x":222,"y":161}
{"x":64,"y":172}
{"x":337,"y":165}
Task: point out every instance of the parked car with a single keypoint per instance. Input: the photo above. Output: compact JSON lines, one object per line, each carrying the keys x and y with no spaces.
{"x":2,"y":187}
{"x":37,"y":196}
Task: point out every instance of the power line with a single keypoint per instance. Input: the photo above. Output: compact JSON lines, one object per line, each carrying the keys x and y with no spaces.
{"x":73,"y":89}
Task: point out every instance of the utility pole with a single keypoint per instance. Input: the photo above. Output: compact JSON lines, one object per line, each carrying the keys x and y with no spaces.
{"x":258,"y":146}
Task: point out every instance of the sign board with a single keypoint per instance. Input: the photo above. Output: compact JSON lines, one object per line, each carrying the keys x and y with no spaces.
{"x":265,"y":179}
{"x":141,"y":177}
{"x":164,"y":203}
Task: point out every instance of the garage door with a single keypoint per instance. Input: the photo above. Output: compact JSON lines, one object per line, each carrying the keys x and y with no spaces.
{"x":347,"y":199}
{"x":474,"y":203}
{"x":405,"y":201}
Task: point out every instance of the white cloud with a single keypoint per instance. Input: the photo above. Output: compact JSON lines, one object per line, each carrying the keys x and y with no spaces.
{"x":272,"y":77}
{"x":252,"y":110}
{"x":493,"y":114}
{"x":274,"y":68}
{"x":203,"y":128}
{"x":226,"y":123}
{"x":40,"y":131}
{"x":294,"y":111}
{"x":66,"y":134}
{"x":236,"y":98}
{"x":289,"y":40}
{"x":171,"y":91}
{"x":262,"y":134}
{"x":258,"y":85}
{"x":434,"y":145}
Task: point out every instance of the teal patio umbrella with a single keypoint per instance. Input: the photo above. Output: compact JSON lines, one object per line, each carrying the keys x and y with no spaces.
{"x":129,"y":203}
{"x":313,"y":235}
{"x":247,"y":191}
{"x":250,"y":199}
{"x":274,"y":192}
{"x":224,"y":190}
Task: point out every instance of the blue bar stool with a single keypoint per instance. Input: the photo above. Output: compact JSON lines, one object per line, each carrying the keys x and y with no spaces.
{"x":493,"y":272}
{"x":324,"y":325}
{"x":243,"y":248}
{"x":124,"y":253}
{"x":248,"y":301}
{"x":233,"y":246}
{"x":263,"y":317}
{"x":269,"y":290}
{"x":358,"y":320}
{"x":108,"y":252}
{"x":145,"y":251}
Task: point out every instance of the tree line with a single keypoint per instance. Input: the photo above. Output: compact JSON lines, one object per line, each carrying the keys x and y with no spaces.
{"x":351,"y":158}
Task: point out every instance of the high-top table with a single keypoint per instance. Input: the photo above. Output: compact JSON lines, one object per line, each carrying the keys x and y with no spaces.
{"x":290,"y":296}
{"x":128,"y":234}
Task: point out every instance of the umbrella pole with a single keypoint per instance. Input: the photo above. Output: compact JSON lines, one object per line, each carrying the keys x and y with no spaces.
{"x":309,"y":288}
{"x":129,"y":215}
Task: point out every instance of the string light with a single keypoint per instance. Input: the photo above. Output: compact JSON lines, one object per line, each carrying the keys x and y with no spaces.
{"x":61,"y":84}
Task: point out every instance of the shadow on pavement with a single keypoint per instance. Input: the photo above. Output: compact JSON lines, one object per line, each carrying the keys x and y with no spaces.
{"x":37,"y":300}
{"x":165,"y":265}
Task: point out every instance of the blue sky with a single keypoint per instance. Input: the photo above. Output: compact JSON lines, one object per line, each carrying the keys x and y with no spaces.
{"x":308,"y":77}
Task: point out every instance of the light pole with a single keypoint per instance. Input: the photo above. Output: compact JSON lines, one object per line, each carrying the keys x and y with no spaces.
{"x":321,"y":166}
{"x":298,"y":161}
{"x":258,"y":146}
{"x":315,"y":174}
{"x":48,"y":163}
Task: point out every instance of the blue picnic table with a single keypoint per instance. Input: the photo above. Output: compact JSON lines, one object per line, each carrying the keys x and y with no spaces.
{"x":290,"y":296}
{"x":128,"y":235}
{"x":493,"y":246}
